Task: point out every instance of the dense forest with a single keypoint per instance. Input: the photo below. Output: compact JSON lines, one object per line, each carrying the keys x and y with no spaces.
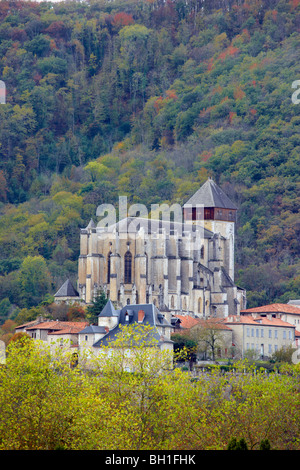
{"x":147,"y":98}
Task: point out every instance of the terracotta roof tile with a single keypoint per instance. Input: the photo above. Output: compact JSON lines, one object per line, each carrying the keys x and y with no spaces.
{"x":249,"y":320}
{"x":273,"y":308}
{"x":189,"y":322}
{"x":60,"y":327}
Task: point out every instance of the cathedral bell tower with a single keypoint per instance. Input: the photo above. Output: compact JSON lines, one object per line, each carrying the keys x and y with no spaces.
{"x":211,"y":207}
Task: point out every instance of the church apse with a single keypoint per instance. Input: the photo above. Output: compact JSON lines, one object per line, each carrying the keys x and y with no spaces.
{"x":168,"y":265}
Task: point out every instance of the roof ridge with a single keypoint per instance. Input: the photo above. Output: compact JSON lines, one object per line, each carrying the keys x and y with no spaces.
{"x":211,"y":195}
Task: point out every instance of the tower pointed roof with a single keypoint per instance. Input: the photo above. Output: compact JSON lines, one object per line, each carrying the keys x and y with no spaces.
{"x":91,"y":224}
{"x":109,"y":310}
{"x":210,"y":195}
{"x":67,"y":290}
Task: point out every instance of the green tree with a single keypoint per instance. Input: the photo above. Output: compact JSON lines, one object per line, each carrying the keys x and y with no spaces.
{"x":34,"y":280}
{"x":235,"y":444}
{"x":93,"y":310}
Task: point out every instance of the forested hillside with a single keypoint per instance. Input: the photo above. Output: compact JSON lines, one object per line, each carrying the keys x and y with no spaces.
{"x":147,"y":99}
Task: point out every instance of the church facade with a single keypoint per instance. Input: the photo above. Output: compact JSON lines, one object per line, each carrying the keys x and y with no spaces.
{"x":182,"y":267}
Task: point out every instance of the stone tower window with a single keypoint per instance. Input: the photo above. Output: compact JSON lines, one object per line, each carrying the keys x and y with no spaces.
{"x":128,"y":268}
{"x":108,"y":267}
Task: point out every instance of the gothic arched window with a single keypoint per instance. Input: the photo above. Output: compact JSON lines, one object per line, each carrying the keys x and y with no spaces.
{"x":108,"y":267}
{"x":128,"y":268}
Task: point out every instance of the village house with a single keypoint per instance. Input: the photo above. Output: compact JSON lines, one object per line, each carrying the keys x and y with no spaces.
{"x":54,"y":332}
{"x":289,"y":312}
{"x":261,"y":334}
{"x":110,"y":321}
{"x":210,"y":333}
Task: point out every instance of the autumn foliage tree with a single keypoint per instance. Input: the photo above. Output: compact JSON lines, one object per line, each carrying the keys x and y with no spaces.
{"x":132,"y":398}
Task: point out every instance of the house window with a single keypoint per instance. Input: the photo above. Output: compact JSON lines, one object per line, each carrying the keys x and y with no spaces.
{"x":252,"y":331}
{"x":270,"y":348}
{"x":270,"y":333}
{"x":257,"y":333}
{"x":276,"y":334}
{"x":128,"y":268}
{"x":261,"y":333}
{"x":86,"y":337}
{"x":284,"y":334}
{"x":248,"y":331}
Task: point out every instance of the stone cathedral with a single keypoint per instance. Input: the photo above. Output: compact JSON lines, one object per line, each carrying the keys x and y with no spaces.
{"x":182,"y":267}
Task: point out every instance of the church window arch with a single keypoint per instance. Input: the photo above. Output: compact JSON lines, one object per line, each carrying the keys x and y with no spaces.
{"x":202,"y":252}
{"x":184,"y":303}
{"x":172,"y":301}
{"x":199,"y":304}
{"x":128,"y":268}
{"x":108,"y":267}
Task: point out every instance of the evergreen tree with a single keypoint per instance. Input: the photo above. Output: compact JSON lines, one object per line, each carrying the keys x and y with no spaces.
{"x":96,"y":307}
{"x":234,"y":444}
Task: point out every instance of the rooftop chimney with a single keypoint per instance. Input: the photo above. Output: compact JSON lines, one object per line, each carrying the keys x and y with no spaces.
{"x":141,"y":316}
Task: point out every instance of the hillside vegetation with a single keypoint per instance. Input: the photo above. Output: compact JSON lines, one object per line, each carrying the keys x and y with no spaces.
{"x":147,"y":99}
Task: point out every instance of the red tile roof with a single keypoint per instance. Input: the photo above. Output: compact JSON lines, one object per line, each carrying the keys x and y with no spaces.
{"x":60,"y":327}
{"x":189,"y":322}
{"x":249,"y":320}
{"x":273,"y":308}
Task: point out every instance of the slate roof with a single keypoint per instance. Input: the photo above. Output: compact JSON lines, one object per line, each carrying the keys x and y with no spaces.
{"x":109,"y":310}
{"x":67,"y":290}
{"x":152,"y":317}
{"x":91,"y":224}
{"x":93,"y":329}
{"x":210,"y":195}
